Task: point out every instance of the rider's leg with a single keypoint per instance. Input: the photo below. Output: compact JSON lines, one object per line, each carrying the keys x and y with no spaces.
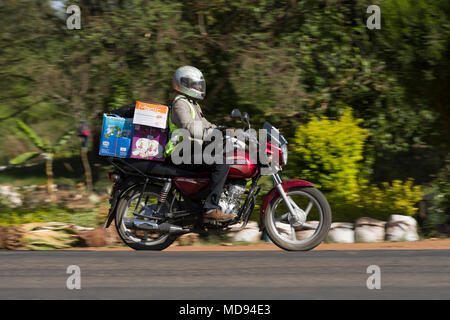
{"x":219,"y":173}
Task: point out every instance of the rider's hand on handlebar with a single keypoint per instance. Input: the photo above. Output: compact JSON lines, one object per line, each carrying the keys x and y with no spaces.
{"x":222,"y":128}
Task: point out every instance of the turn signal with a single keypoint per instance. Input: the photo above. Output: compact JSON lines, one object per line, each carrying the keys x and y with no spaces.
{"x":114,"y":177}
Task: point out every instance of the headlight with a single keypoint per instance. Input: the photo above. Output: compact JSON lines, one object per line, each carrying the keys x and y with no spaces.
{"x":284,"y":153}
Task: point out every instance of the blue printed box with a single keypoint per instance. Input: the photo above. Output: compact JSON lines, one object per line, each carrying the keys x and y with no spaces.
{"x":117,"y":135}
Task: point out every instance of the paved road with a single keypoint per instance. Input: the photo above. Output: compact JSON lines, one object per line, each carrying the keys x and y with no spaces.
{"x":225,"y":275}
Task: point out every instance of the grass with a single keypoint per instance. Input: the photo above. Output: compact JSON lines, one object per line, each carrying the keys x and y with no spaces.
{"x":214,"y":239}
{"x":50,"y":213}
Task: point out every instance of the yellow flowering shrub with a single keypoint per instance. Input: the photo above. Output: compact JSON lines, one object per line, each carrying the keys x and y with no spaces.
{"x":329,"y":153}
{"x":396,"y":198}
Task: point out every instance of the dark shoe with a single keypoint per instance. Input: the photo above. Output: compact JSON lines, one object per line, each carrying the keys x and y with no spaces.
{"x":218,"y":215}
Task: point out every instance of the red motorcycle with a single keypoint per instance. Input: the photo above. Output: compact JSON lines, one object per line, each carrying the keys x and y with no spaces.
{"x":152,"y":202}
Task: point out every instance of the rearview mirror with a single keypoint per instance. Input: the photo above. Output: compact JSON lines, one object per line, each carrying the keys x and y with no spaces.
{"x":236,"y":114}
{"x":246,"y":118}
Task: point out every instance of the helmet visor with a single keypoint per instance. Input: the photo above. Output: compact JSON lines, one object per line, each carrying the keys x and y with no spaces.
{"x":196,"y":85}
{"x":199,"y":85}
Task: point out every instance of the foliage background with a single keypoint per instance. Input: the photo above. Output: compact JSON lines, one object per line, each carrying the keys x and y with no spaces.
{"x":281,"y":61}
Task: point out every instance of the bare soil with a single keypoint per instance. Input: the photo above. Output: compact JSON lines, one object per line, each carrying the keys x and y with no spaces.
{"x":429,"y":244}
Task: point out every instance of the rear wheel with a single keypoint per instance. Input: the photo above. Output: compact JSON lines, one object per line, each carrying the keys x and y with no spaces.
{"x":141,"y":239}
{"x":304,"y":231}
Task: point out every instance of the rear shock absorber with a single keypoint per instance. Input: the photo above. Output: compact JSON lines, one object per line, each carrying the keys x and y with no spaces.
{"x":163,"y":195}
{"x":165,"y":191}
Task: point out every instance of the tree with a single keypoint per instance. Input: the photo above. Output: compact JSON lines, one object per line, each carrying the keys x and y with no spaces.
{"x":46,"y":151}
{"x":278,"y":60}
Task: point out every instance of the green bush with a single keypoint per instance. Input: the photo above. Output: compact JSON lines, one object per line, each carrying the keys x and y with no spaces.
{"x":330,"y":153}
{"x":438,"y":214}
{"x":379,"y":203}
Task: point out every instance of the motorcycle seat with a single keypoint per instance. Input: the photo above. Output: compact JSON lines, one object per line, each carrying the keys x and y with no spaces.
{"x":166,"y":169}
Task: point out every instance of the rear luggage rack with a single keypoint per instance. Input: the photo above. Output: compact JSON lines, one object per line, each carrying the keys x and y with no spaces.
{"x":134,"y":171}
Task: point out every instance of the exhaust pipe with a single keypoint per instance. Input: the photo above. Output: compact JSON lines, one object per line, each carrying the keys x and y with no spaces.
{"x":151,"y":226}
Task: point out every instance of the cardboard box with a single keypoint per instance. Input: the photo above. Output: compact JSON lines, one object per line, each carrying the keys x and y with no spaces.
{"x":116,"y":137}
{"x":150,"y":114}
{"x":148,"y":143}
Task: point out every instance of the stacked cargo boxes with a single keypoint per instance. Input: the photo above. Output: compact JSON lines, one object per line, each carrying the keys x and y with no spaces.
{"x":142,"y":137}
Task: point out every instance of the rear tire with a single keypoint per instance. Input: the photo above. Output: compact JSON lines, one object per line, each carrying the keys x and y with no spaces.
{"x":123,"y":205}
{"x":309,"y":243}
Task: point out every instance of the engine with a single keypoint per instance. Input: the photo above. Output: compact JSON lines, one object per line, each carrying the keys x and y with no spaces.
{"x":230,"y":200}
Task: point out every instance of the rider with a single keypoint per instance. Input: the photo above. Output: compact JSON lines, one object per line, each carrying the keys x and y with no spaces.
{"x":185,"y":113}
{"x":189,"y":84}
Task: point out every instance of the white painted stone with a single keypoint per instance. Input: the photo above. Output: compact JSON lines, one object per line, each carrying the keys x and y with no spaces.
{"x":369,"y":230}
{"x":401,"y":228}
{"x":309,"y":225}
{"x":341,"y":232}
{"x":250,"y":233}
{"x":250,"y":225}
{"x":9,"y":193}
{"x":304,"y":234}
{"x":283,"y":228}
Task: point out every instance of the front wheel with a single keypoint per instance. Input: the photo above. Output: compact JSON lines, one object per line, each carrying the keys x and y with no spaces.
{"x":307,"y":228}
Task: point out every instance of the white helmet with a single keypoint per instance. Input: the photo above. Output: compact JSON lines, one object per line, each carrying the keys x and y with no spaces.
{"x":189,"y":81}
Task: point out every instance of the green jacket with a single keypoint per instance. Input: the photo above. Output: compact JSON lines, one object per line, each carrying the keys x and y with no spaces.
{"x":185,"y":113}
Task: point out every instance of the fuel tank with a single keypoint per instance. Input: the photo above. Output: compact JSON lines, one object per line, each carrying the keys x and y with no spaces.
{"x":191,"y":186}
{"x":242,"y":167}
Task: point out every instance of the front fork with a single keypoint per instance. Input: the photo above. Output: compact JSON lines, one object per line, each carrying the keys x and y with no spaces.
{"x":295,"y":213}
{"x":277,"y":181}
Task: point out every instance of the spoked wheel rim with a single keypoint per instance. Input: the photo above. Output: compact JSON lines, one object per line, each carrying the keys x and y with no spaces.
{"x":147,"y":238}
{"x":281,"y":222}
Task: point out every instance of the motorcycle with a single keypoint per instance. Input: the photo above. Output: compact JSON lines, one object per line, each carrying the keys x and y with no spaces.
{"x":151,"y":202}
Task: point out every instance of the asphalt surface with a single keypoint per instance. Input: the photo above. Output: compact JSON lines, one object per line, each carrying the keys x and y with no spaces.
{"x":423,"y":274}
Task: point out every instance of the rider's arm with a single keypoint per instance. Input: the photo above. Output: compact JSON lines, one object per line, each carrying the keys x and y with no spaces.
{"x":182,"y":118}
{"x":206,"y":124}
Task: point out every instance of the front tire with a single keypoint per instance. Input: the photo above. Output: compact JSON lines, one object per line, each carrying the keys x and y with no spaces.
{"x":318,"y":208}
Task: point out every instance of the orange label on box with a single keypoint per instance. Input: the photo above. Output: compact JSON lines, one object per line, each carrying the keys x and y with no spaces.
{"x":159,"y":108}
{"x":150,"y":114}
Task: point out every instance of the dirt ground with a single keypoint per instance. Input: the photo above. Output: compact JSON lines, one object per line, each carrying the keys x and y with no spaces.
{"x":429,"y":244}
